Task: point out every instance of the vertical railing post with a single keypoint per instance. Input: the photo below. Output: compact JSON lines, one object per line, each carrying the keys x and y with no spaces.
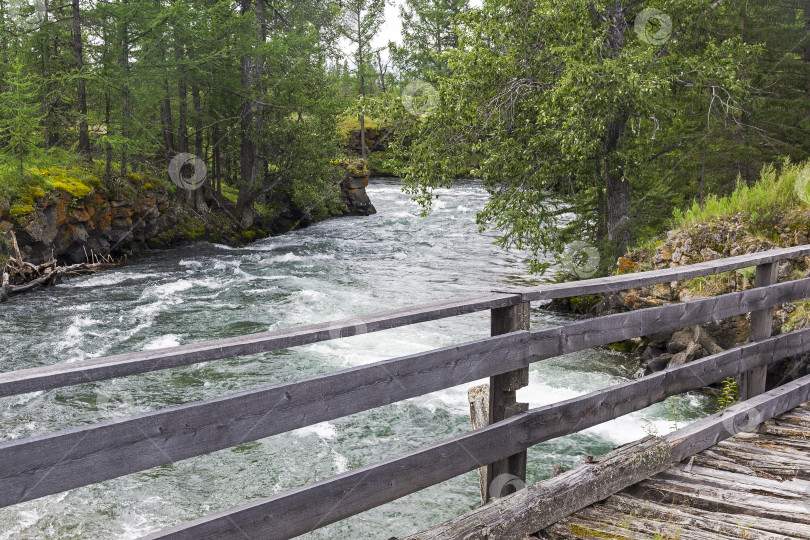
{"x":503,"y":402}
{"x":752,"y":383}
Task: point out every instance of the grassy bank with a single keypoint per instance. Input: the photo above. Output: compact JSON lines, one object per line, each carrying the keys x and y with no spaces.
{"x":778,"y":192}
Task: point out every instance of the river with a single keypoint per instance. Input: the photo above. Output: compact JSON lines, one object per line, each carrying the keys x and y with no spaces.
{"x":334,"y":269}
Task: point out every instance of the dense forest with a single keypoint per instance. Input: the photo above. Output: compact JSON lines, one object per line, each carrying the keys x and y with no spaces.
{"x":592,"y":120}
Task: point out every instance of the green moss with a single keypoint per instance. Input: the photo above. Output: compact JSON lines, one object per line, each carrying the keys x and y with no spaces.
{"x":583,"y":304}
{"x":582,"y":531}
{"x":623,"y":346}
{"x":18,"y":210}
{"x":351,"y":123}
{"x":76,"y":189}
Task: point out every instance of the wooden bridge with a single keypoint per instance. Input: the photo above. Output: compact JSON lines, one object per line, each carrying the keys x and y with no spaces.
{"x":55,"y":462}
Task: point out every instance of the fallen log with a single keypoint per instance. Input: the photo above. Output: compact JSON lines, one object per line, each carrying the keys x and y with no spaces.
{"x":20,"y":276}
{"x":4,"y":287}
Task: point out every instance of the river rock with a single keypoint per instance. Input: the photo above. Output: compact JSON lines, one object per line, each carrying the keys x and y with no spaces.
{"x":692,"y":353}
{"x":659,"y":363}
{"x":680,"y":341}
{"x":353,"y":188}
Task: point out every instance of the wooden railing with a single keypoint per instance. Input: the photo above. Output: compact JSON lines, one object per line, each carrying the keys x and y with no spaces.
{"x":56,"y":462}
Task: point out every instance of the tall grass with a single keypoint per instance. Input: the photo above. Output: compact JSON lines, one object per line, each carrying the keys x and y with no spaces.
{"x":776,"y":193}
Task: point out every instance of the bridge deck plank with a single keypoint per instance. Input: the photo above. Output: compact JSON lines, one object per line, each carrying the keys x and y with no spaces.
{"x":755,"y":485}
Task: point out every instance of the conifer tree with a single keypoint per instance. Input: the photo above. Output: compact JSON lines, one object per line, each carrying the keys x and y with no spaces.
{"x":19,"y":114}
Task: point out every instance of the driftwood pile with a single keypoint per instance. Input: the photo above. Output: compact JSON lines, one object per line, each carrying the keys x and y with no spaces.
{"x":20,"y":276}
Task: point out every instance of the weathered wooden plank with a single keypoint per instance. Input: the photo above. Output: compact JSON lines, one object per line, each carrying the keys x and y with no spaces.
{"x":478,"y":397}
{"x":89,"y":454}
{"x":299,"y":511}
{"x":97,"y":369}
{"x":723,"y":499}
{"x":612,"y":328}
{"x":740,"y":417}
{"x":623,"y":502}
{"x":538,"y":506}
{"x":331,"y":500}
{"x":667,"y":522}
{"x":501,"y":475}
{"x":654,"y":277}
{"x":752,"y":383}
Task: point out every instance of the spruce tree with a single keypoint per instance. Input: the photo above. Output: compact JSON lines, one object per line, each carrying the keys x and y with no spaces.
{"x":19,"y":114}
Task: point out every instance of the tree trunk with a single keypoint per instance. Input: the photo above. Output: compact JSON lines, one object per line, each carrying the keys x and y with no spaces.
{"x":361,"y":73}
{"x":182,"y":102}
{"x":81,"y":93}
{"x":125,"y":105}
{"x":617,"y":188}
{"x":107,"y":120}
{"x":251,"y":125}
{"x":166,"y":122}
{"x":199,"y":200}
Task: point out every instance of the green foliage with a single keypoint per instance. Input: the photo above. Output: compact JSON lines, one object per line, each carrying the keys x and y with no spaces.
{"x":763,"y":204}
{"x":799,"y":316}
{"x":534,"y":89}
{"x":427,"y":33}
{"x":19,"y":115}
{"x":729,"y":395}
{"x":674,"y":407}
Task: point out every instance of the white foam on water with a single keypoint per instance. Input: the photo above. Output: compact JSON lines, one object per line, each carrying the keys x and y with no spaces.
{"x":401,"y":215}
{"x":292,"y":257}
{"x":136,"y":529}
{"x":26,"y":518}
{"x":162,"y":342}
{"x":21,"y":430}
{"x":76,"y":332}
{"x":462,"y":208}
{"x":22,"y":399}
{"x":213,"y":283}
{"x":324,"y":430}
{"x":167,"y":289}
{"x":106,"y":279}
{"x":341,"y":463}
{"x":264,"y":291}
{"x":226,"y":248}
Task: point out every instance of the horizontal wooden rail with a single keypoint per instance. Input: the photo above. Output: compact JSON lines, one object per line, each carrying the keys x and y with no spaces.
{"x":545,"y":503}
{"x":316,"y":505}
{"x":97,"y":369}
{"x":656,"y":277}
{"x":85,"y":455}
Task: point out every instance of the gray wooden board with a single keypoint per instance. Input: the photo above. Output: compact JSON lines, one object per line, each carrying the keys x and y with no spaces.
{"x":753,"y":382}
{"x":654,"y":277}
{"x":531,"y":509}
{"x":98,"y":452}
{"x":599,"y":331}
{"x":97,"y":369}
{"x":316,"y":505}
{"x":740,"y":417}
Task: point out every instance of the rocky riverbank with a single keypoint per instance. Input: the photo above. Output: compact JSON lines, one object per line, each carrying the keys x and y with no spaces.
{"x":74,"y":225}
{"x":705,"y":242}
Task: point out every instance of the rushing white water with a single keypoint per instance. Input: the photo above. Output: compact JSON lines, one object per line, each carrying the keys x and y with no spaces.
{"x":335,"y":269}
